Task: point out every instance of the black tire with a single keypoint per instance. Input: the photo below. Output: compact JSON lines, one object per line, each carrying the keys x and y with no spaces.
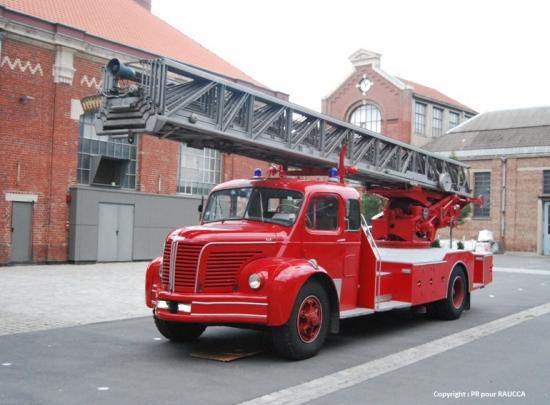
{"x":452,"y":307}
{"x":179,"y":331}
{"x":301,"y":338}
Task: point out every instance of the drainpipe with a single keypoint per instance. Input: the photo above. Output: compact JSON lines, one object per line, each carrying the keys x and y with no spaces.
{"x":503,"y":202}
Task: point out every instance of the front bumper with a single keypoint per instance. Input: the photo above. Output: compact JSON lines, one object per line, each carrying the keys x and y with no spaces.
{"x":212,"y":308}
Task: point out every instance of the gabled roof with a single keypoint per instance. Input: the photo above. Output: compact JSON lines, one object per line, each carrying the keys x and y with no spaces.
{"x":364,"y":57}
{"x":126,"y":22}
{"x":519,"y":129}
{"x":435,"y":95}
{"x":517,"y":118}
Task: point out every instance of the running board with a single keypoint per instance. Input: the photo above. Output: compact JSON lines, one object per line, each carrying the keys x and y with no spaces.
{"x":352,"y":313}
{"x":389,"y":305}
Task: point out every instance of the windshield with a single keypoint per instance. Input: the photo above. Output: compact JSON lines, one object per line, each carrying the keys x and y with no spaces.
{"x":259,"y":204}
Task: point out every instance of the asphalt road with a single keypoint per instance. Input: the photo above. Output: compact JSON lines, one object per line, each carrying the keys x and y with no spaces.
{"x":126,"y":362}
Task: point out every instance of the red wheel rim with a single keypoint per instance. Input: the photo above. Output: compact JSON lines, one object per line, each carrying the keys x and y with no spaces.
{"x":310,"y":319}
{"x":458,"y":292}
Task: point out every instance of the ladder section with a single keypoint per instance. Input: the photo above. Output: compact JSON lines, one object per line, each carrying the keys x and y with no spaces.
{"x":175,"y":101}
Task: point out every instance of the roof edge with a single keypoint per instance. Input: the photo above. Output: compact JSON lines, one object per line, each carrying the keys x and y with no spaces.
{"x":432,"y":100}
{"x":497,"y":152}
{"x":74,"y":33}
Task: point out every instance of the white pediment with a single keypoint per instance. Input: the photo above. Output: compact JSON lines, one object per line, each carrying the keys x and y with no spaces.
{"x":364,"y":57}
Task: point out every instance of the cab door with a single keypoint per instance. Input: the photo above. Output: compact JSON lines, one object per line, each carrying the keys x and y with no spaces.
{"x":323,"y":234}
{"x":352,"y":254}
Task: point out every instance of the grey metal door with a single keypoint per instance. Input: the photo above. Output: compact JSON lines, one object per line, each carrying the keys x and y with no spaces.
{"x":21,"y":232}
{"x":546,"y":229}
{"x":125,"y":232}
{"x":115,"y":232}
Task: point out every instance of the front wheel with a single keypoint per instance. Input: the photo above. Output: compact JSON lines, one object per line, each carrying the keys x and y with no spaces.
{"x":451,"y":307}
{"x":306,"y":330}
{"x":179,"y":331}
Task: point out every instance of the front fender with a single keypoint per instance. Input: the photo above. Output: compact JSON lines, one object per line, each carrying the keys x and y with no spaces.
{"x":285,"y":286}
{"x":152,"y":281}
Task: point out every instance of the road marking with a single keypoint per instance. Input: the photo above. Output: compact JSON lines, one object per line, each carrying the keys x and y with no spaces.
{"x":521,"y":271}
{"x":103,"y":388}
{"x":331,"y":383}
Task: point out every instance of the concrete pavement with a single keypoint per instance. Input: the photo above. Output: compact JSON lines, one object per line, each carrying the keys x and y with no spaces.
{"x":127,"y":362}
{"x":39,"y":297}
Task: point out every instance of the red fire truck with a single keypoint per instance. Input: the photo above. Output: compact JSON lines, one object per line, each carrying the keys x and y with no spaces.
{"x":284,"y":250}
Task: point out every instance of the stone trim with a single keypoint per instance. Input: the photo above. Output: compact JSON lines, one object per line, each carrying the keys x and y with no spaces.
{"x":21,"y":197}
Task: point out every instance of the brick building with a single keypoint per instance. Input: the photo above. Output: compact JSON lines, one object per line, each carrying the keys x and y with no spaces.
{"x":509,"y":155}
{"x":410,"y":112}
{"x":54,"y":204}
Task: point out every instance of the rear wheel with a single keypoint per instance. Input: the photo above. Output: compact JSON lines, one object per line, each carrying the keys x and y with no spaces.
{"x":455,"y":303}
{"x":306,"y":330}
{"x":179,"y":331}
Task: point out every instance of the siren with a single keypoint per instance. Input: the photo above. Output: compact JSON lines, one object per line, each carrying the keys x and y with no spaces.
{"x":257,"y":172}
{"x":120,"y":70}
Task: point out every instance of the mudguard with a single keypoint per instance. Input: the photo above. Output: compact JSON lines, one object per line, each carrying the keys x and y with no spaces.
{"x":285,"y":278}
{"x":152,"y":281}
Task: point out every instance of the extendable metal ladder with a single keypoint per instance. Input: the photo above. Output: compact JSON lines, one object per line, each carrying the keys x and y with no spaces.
{"x":172,"y":100}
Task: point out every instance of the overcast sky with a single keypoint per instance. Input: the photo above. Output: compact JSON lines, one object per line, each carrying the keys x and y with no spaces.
{"x":488,"y":55}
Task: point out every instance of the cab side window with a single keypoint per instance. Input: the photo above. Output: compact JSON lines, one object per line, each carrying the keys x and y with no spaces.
{"x":353,"y":215}
{"x":322,"y":214}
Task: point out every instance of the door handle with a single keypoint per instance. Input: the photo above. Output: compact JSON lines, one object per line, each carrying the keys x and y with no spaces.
{"x":340,"y":241}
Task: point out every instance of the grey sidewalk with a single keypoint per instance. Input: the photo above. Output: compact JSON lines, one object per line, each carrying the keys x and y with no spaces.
{"x":522,"y":261}
{"x":52,"y":296}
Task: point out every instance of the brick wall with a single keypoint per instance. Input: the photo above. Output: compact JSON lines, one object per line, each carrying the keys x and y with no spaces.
{"x":523,"y":219}
{"x":394,"y":104}
{"x":26,"y":137}
{"x":39,"y":140}
{"x":157,"y":165}
{"x":238,"y":167}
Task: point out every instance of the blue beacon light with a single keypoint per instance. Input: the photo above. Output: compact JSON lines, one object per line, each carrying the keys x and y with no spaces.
{"x":333,"y":172}
{"x":257,"y":172}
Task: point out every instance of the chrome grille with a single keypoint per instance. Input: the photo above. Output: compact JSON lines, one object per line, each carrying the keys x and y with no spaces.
{"x":165,"y":274}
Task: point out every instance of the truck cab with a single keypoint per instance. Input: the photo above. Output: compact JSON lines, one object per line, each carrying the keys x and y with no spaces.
{"x":258,"y":243}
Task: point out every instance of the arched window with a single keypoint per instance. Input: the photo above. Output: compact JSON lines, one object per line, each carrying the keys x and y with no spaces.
{"x":367,"y":116}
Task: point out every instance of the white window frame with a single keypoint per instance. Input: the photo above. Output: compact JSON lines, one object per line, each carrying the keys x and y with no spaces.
{"x":367,"y":116}
{"x":208,"y":177}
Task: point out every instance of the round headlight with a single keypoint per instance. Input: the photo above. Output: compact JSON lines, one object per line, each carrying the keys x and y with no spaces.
{"x":254,"y":281}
